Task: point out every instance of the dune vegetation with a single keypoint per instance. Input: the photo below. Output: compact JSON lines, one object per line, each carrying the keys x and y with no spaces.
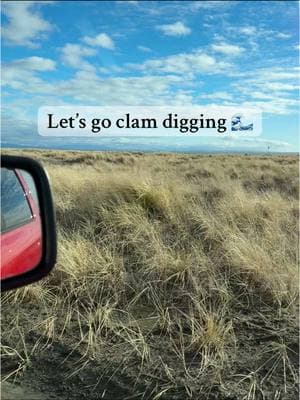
{"x":177,"y":278}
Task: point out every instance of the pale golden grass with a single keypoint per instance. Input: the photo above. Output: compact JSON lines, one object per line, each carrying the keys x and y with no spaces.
{"x":168,"y":243}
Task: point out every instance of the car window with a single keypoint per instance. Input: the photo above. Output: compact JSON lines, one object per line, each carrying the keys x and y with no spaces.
{"x":15,"y":210}
{"x":30,"y":183}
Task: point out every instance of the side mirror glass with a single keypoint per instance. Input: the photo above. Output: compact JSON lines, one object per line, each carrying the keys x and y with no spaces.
{"x":28,"y":238}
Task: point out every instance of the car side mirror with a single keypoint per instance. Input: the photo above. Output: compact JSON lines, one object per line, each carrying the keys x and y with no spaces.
{"x":28,"y":233}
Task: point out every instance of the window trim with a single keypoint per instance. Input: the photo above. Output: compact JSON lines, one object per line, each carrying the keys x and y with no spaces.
{"x":16,"y":226}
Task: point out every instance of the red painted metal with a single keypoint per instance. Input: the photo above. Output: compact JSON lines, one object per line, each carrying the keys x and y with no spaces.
{"x":21,"y":248}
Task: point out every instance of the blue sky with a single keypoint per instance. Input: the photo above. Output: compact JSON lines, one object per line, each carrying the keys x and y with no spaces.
{"x":152,"y":53}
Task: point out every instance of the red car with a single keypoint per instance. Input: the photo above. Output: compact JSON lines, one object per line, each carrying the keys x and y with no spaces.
{"x":21,"y":230}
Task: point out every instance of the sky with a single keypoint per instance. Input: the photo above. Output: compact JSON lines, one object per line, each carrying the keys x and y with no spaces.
{"x":182,"y":53}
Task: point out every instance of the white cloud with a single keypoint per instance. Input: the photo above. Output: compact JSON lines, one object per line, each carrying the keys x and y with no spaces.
{"x":183,"y":64}
{"x":33,"y":64}
{"x":274,"y":86}
{"x":195,"y":5}
{"x":276,"y":106}
{"x":269,"y":89}
{"x":104,"y":70}
{"x":252,"y":33}
{"x":274,"y":73}
{"x":87,"y":87}
{"x":227,"y":49}
{"x":144,"y":49}
{"x":178,"y":8}
{"x":176,"y":29}
{"x":25,"y":25}
{"x":101,"y":40}
{"x":282,"y":35}
{"x":21,"y":73}
{"x":248,"y":30}
{"x":72,"y":55}
{"x":256,"y":94}
{"x":217,"y":96}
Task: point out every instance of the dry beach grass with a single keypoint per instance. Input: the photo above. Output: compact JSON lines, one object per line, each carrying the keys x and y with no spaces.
{"x":177,"y":278}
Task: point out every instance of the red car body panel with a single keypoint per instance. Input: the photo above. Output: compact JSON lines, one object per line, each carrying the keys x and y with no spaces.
{"x":21,"y":248}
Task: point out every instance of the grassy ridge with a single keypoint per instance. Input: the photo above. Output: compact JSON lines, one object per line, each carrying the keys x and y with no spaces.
{"x":173,"y":270}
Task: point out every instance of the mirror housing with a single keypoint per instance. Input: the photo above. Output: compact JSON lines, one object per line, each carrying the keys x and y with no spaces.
{"x":47,"y":220}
